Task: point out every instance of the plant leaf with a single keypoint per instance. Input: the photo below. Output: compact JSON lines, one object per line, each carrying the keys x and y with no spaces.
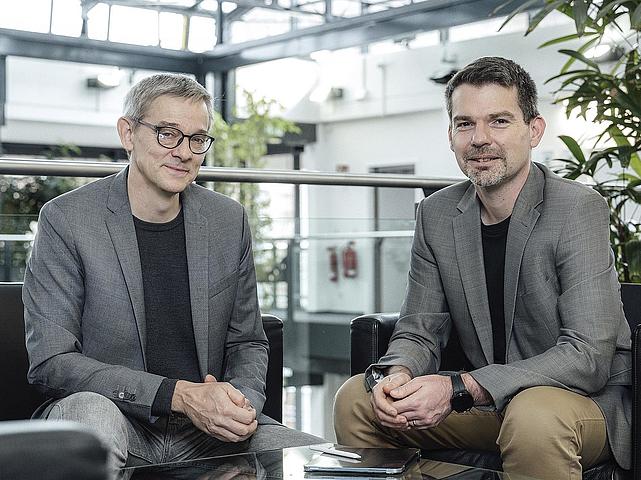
{"x":579,"y":56}
{"x":580,"y":11}
{"x":515,"y":12}
{"x":544,"y":12}
{"x":565,"y":38}
{"x":581,"y":50}
{"x":635,"y":18}
{"x":605,"y":10}
{"x":574,"y":147}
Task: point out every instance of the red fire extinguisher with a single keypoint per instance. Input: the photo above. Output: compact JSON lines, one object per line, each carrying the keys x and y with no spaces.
{"x":333,"y":264}
{"x":350,"y":261}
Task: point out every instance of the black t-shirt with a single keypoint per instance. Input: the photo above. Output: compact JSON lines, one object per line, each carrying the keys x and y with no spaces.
{"x":170,"y":347}
{"x":494,"y":240}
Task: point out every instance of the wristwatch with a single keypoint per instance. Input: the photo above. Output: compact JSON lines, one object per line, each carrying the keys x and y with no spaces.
{"x":461,"y":400}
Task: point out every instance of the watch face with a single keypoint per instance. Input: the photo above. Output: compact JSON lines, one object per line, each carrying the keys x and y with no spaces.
{"x":462,"y":402}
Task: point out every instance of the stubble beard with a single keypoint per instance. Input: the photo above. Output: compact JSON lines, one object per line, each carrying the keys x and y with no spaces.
{"x":489,"y":176}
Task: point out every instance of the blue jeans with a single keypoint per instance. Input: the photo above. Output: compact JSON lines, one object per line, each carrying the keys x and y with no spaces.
{"x":134,"y":442}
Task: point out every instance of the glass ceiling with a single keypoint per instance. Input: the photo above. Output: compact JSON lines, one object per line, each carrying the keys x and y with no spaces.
{"x":192,"y":24}
{"x":179,"y":24}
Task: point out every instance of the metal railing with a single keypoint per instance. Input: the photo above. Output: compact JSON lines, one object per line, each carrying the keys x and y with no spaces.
{"x":72,"y":168}
{"x":79,"y":168}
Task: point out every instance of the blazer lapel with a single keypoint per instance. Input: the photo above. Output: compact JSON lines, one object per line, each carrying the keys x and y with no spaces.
{"x":197,"y":244}
{"x":469,"y":256}
{"x":522,"y":222}
{"x":121,"y":228}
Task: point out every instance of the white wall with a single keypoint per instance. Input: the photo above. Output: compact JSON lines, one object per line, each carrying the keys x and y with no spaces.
{"x":48,"y":102}
{"x":400,"y":121}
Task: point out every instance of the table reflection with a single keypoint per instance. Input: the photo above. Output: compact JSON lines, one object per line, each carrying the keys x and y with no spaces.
{"x":288,"y":464}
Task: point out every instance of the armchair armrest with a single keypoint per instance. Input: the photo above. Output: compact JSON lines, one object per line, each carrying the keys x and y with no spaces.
{"x":636,"y":397}
{"x":49,"y":450}
{"x":369,"y":336}
{"x":273,"y":407}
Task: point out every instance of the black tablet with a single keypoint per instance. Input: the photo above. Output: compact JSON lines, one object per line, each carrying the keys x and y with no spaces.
{"x":373,"y":461}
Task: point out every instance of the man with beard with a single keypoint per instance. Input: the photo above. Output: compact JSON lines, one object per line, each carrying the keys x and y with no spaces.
{"x":516,"y":260}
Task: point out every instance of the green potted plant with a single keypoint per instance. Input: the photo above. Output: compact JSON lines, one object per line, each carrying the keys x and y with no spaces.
{"x":609,"y":95}
{"x":243,"y":144}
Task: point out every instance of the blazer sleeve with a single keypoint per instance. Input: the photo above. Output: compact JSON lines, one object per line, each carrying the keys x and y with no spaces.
{"x":589,"y":310}
{"x":246,"y":347}
{"x":424,"y":324}
{"x":53,"y":296}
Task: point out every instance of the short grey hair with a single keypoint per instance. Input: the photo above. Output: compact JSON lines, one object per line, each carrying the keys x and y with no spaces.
{"x":498,"y":71}
{"x":143,"y":93}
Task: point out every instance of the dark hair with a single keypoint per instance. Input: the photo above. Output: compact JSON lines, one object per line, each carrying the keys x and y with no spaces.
{"x":499,"y":71}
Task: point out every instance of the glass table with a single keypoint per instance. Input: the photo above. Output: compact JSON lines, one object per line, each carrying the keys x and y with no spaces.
{"x":287,"y":464}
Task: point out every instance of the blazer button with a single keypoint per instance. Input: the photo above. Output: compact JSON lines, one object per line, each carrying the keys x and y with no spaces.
{"x":121,"y":395}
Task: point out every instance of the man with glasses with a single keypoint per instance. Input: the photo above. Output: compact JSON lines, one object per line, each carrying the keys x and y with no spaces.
{"x":141,"y":312}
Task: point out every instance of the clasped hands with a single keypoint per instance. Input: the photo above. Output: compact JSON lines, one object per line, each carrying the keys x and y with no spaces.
{"x":216,"y":408}
{"x":402,"y":402}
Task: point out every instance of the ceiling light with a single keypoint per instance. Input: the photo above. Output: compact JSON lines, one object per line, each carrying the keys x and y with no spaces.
{"x":104,"y":80}
{"x":605,"y":53}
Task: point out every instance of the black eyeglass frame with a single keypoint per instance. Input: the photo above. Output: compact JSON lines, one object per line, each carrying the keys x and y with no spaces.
{"x":157,"y":129}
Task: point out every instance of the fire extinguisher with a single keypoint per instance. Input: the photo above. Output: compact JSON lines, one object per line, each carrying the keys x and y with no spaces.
{"x":333,"y":264}
{"x":350,"y":261}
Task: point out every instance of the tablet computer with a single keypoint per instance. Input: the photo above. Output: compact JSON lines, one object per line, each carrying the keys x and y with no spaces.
{"x":373,"y":461}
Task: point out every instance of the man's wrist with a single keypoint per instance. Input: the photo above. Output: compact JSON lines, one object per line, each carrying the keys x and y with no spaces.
{"x":479,"y":394}
{"x":177,"y":399}
{"x":398,"y":369}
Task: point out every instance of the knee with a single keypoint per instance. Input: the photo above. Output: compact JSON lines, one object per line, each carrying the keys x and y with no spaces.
{"x":533,"y":416}
{"x":94,"y":411}
{"x":86,"y":408}
{"x":350,"y":398}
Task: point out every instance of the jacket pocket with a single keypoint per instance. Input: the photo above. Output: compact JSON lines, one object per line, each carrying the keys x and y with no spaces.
{"x":223,"y":284}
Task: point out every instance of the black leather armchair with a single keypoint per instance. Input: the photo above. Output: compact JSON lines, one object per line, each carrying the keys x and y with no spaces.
{"x":33,"y":449}
{"x":19,"y":399}
{"x":370,"y":336}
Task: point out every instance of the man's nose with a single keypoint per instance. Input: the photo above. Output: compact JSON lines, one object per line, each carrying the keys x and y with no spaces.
{"x":183,"y":151}
{"x":481,"y":135}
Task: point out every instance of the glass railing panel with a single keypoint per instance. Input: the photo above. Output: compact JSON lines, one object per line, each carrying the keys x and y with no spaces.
{"x":317,"y":283}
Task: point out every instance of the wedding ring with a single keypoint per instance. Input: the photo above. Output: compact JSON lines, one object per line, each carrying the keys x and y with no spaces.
{"x":413,"y":423}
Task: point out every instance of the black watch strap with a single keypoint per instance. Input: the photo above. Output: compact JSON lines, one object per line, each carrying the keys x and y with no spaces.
{"x":458,"y":386}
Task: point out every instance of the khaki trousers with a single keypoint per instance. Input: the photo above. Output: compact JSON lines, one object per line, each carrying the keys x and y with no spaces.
{"x":544,"y":432}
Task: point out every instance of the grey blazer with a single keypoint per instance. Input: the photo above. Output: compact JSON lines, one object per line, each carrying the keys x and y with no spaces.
{"x":84,"y":303}
{"x":564,"y":321}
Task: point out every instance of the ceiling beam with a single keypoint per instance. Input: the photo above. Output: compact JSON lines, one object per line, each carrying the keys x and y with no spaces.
{"x":342,"y":33}
{"x":98,"y":52}
{"x":160,"y":7}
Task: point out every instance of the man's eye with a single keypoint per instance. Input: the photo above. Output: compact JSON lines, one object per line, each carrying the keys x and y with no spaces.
{"x":167,"y":134}
{"x":501,"y":121}
{"x":200,"y":140}
{"x":461,"y":125}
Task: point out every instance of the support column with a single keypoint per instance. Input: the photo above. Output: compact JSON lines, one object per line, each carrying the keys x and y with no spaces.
{"x":3,"y":93}
{"x":224,"y":81}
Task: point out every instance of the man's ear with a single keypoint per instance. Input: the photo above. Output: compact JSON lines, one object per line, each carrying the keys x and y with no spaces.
{"x":537,"y":129}
{"x":125,"y":132}
{"x":449,"y":136}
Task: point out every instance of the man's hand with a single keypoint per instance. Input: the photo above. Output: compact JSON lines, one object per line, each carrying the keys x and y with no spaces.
{"x":424,"y":401}
{"x":216,"y":408}
{"x":381,"y":401}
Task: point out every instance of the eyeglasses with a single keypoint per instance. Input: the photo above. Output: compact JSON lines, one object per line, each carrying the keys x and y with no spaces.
{"x":170,"y":137}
